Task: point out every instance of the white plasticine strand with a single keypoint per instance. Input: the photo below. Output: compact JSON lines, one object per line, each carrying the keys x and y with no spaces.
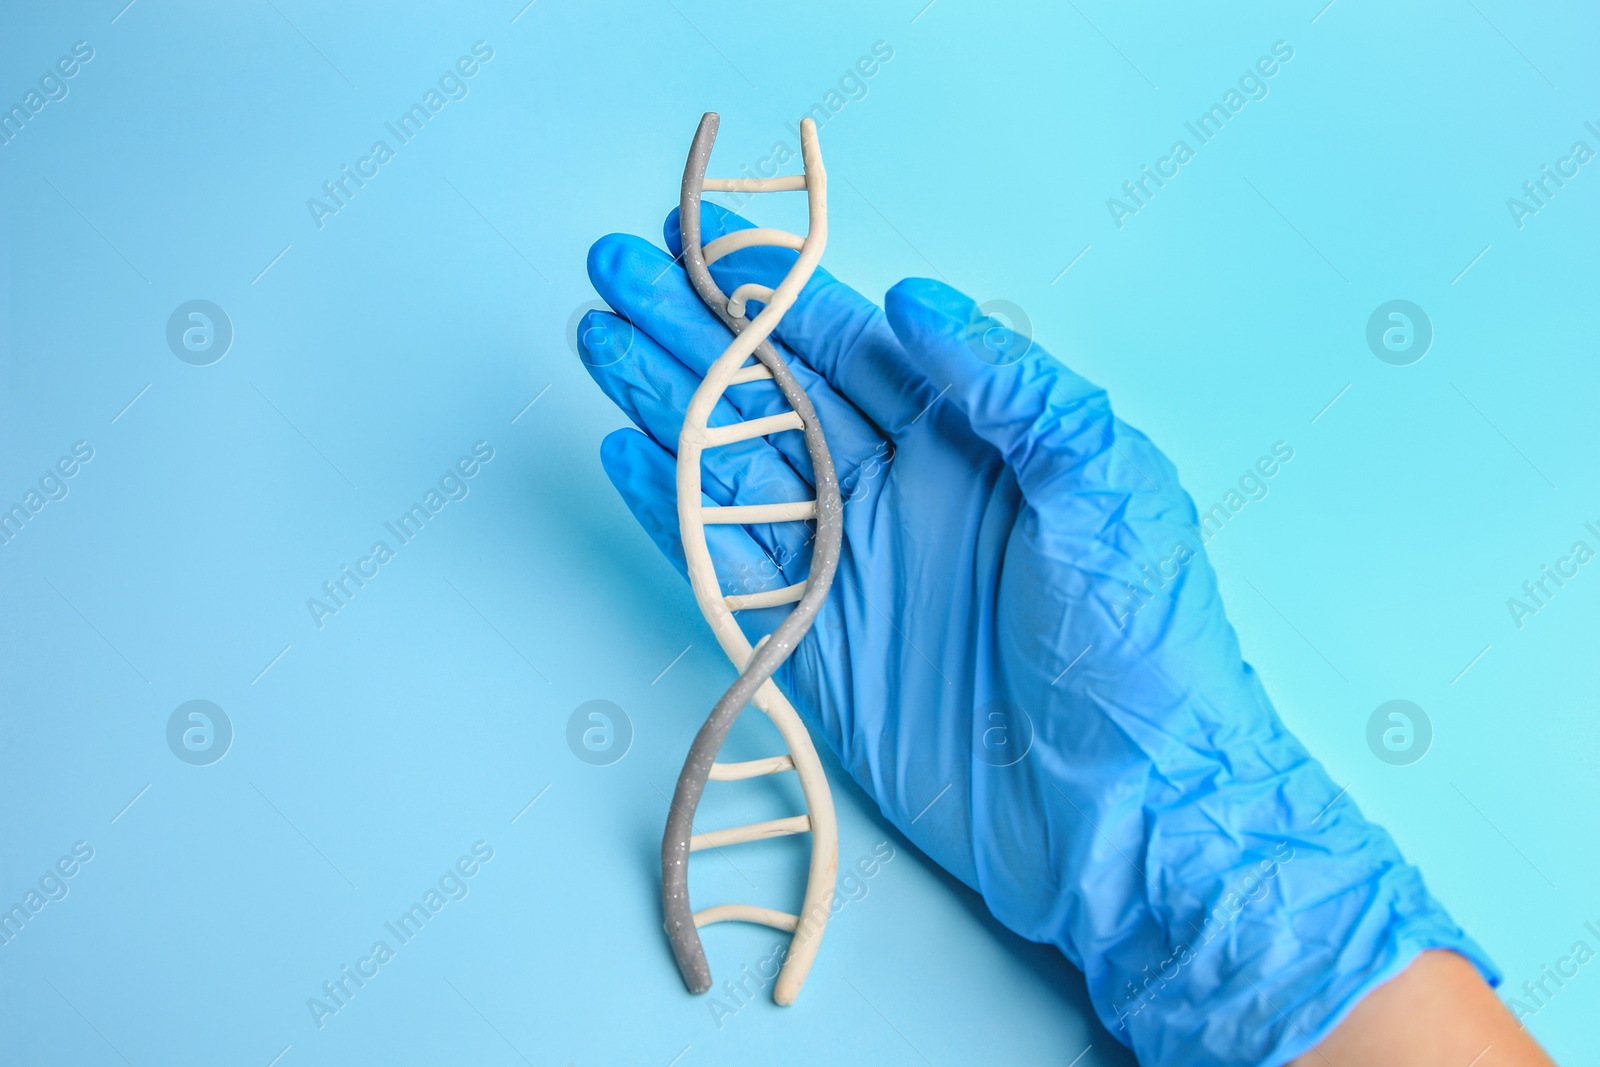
{"x":744,"y":431}
{"x":755,"y":768}
{"x":824,"y":869}
{"x":743,"y":295}
{"x":759,"y":235}
{"x":770,"y":599}
{"x":702,"y":574}
{"x":790,"y":183}
{"x":746,"y":514}
{"x":726,"y":370}
{"x":754,"y":650}
{"x":747,"y":913}
{"x":734,"y":835}
{"x":756,"y":372}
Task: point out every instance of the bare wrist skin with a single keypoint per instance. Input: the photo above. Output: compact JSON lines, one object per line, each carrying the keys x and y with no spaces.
{"x":1439,"y":1012}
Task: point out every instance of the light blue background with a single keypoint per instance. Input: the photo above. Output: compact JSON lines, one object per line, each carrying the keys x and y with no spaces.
{"x":1223,"y":317}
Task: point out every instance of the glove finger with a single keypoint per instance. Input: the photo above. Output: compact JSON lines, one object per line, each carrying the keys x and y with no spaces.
{"x":645,"y":474}
{"x":835,"y":329}
{"x":1047,"y":422}
{"x":652,"y":292}
{"x":653,"y":389}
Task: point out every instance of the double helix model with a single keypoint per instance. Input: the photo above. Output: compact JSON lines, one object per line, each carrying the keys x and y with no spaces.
{"x":757,"y":664}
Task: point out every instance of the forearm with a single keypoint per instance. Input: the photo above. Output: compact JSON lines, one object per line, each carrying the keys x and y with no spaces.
{"x":1437,"y":1013}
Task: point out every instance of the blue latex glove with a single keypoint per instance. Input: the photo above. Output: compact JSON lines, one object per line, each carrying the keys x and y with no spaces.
{"x":1162,"y":827}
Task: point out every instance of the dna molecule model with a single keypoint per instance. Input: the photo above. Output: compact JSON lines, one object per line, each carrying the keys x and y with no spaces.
{"x":758,"y":663}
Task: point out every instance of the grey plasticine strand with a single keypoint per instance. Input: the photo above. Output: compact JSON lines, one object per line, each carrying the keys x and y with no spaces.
{"x":772,"y":653}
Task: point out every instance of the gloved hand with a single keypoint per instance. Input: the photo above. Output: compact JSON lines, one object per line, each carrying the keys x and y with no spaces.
{"x":1024,"y":658}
